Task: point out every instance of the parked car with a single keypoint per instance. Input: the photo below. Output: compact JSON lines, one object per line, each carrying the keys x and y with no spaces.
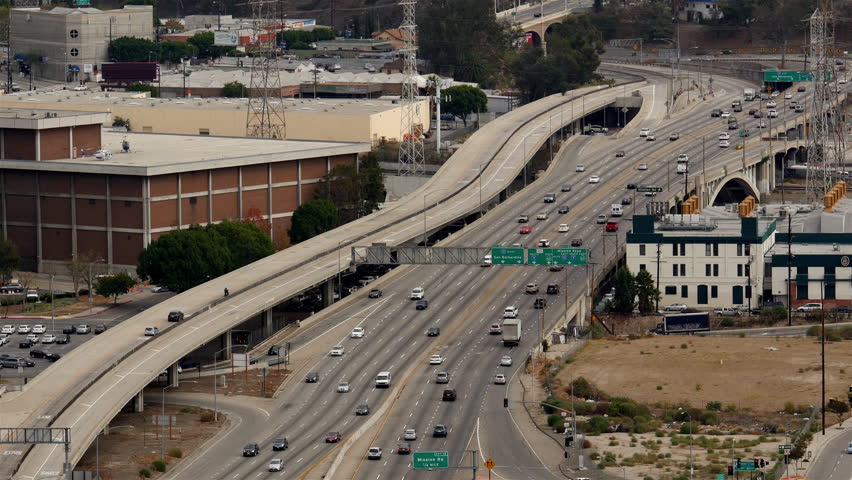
{"x":68,"y":329}
{"x":675,"y":307}
{"x":809,"y":307}
{"x":48,"y":338}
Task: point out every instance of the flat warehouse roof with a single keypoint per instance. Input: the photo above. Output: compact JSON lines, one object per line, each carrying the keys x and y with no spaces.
{"x":158,"y":154}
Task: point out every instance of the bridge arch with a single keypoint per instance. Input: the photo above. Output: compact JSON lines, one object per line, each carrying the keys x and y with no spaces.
{"x":733,"y":189}
{"x":536,"y":38}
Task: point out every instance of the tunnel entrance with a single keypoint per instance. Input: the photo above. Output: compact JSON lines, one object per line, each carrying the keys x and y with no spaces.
{"x":613,"y":117}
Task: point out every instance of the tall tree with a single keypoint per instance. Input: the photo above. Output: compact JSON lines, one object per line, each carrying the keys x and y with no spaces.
{"x":624,"y":300}
{"x":234,"y":89}
{"x":646,"y":291}
{"x":132,"y":49}
{"x":311,"y":219}
{"x":654,"y":20}
{"x":463,"y":100}
{"x":115,"y":285}
{"x":470,"y":43}
{"x":839,"y":408}
{"x":8,"y":259}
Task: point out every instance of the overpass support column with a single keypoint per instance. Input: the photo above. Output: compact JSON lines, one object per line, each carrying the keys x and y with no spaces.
{"x":227,"y":344}
{"x":266,"y":319}
{"x":139,"y":402}
{"x":173,"y":375}
{"x":328,"y":292}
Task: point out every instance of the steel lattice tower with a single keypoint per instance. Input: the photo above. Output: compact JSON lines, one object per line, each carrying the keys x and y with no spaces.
{"x":265,"y":118}
{"x":411,"y":132}
{"x":824,"y":158}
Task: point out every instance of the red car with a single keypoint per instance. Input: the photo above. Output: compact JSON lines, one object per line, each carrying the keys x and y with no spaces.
{"x":332,"y":437}
{"x":611,"y":226}
{"x":526,"y":229}
{"x":619,"y":153}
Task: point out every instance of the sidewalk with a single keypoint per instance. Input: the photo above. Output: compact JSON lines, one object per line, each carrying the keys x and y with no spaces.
{"x":817,"y":448}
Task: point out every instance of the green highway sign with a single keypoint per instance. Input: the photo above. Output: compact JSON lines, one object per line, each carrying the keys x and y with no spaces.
{"x":720,"y":476}
{"x":429,"y":460}
{"x":507,"y":256}
{"x":742,"y":133}
{"x":649,"y":189}
{"x":776,"y":76}
{"x":557,"y":256}
{"x":744,"y":466}
{"x":785,"y":449}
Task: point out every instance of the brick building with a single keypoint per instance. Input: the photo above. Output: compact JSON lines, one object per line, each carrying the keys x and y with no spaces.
{"x":68,"y":187}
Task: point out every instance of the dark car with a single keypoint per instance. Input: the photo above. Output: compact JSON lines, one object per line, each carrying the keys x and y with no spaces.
{"x":175,"y":316}
{"x":576,"y":242}
{"x":312,"y":377}
{"x":251,"y":450}
{"x":563,"y":209}
{"x":619,"y":153}
{"x":716,"y":113}
{"x":433,"y":331}
{"x":362,"y":409}
{"x":421,"y":305}
{"x":801,"y":89}
{"x":99,"y":329}
{"x":52,"y":357}
{"x":403,"y":448}
{"x":12,"y":363}
{"x":843,"y":309}
{"x":555,"y":268}
{"x":626,"y":201}
{"x":439,"y":431}
{"x":36,"y":353}
{"x":280,"y":444}
{"x":751,"y":111}
{"x":552,"y":289}
{"x":69,"y":329}
{"x":631,"y":186}
{"x":332,"y":437}
{"x":738,"y":108}
{"x":25,"y":344}
{"x":566,"y":188}
{"x":374,"y":293}
{"x":539,"y":303}
{"x":273,"y":350}
{"x":449,"y":395}
{"x":63,"y":340}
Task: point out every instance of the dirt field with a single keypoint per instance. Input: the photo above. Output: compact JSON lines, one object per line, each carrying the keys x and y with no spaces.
{"x":760,"y":374}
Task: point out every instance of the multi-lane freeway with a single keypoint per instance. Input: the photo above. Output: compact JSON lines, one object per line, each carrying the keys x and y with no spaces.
{"x":463,"y":302}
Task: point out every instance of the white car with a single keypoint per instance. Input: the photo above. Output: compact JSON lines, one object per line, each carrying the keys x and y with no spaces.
{"x":357,"y":332}
{"x":436,"y":360}
{"x":33,"y":338}
{"x":724,"y":136}
{"x":809,"y":307}
{"x":80,"y":88}
{"x":541,"y":216}
{"x":510,"y":312}
{"x":683,"y":157}
{"x":375,"y":453}
{"x":418,"y":293}
{"x":563,"y":228}
{"x":276,"y":465}
{"x":842,"y":81}
{"x":651,"y":137}
{"x":4,"y":338}
{"x":580,"y":168}
{"x":336,"y":351}
{"x":773,"y":114}
{"x":643,"y":166}
{"x":601,"y":219}
{"x":676,"y":307}
{"x":505,"y":361}
{"x":594,"y":179}
{"x":544,"y":243}
{"x":39,"y":329}
{"x":643,"y":132}
{"x":151,"y":331}
{"x":342,"y":387}
{"x":8,"y":329}
{"x":724,"y":144}
{"x":24,"y":329}
{"x":160,"y":289}
{"x":499,"y":379}
{"x":788,"y":96}
{"x":410,"y":434}
{"x":771,"y":104}
{"x":49,"y":338}
{"x":761,"y":124}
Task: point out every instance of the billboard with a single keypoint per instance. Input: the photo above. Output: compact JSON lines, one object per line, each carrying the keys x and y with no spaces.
{"x":225,"y":39}
{"x":129,"y":71}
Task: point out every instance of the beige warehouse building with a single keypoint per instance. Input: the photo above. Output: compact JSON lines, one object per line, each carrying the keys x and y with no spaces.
{"x":340,"y":120}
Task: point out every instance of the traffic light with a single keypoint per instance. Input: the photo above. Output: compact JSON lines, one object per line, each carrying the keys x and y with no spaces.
{"x":762,"y":463}
{"x":730,"y":471}
{"x":756,"y":463}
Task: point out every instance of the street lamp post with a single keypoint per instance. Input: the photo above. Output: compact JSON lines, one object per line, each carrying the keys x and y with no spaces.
{"x":163,"y":425}
{"x":686,"y":412}
{"x":215,"y":382}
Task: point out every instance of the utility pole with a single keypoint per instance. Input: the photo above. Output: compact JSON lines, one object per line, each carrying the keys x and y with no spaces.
{"x":789,"y":268}
{"x":657,"y":307}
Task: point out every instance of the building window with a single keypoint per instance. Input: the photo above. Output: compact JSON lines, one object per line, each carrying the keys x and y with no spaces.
{"x":204,"y":131}
{"x":682,"y":269}
{"x":642,"y":250}
{"x":802,"y":292}
{"x":715,"y":269}
{"x":674,"y":249}
{"x":714,"y":291}
{"x":91,"y":201}
{"x":674,"y":270}
{"x":739,"y":270}
{"x":715,"y":249}
{"x":74,"y":33}
{"x":748,"y":291}
{"x":707,"y":250}
{"x":739,"y":249}
{"x":684,"y":291}
{"x":671,"y":290}
{"x":707,"y":270}
{"x":127,"y":203}
{"x":747,"y":249}
{"x":682,"y":249}
{"x":748,"y":270}
{"x":829,"y":293}
{"x":642,"y":267}
{"x":74,"y":52}
{"x":193,"y":200}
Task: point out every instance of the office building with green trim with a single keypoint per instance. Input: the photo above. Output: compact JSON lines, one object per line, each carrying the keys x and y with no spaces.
{"x":820,"y":269}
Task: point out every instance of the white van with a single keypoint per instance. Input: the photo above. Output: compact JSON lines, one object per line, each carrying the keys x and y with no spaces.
{"x":486,"y":261}
{"x":616,"y":210}
{"x":417,"y":293}
{"x":383,"y":380}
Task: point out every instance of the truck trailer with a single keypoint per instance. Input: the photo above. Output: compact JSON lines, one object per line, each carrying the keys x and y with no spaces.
{"x":511,"y":332}
{"x":684,"y":324}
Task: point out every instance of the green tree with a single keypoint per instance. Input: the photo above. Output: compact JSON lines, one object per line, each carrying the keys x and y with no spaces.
{"x":738,"y":12}
{"x":354,"y":192}
{"x":462,"y":100}
{"x":247,"y":243}
{"x":203,"y":43}
{"x":470,"y":44}
{"x":646,"y":291}
{"x":654,"y":20}
{"x":8,"y":259}
{"x":837,"y":407}
{"x":598,"y":6}
{"x":142,"y":87}
{"x":173,"y":52}
{"x":372,"y":183}
{"x":311,"y":219}
{"x":132,"y":49}
{"x":234,"y":89}
{"x":115,"y":285}
{"x":625,"y":292}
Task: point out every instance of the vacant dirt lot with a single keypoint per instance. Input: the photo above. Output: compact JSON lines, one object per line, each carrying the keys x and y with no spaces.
{"x":757,"y":373}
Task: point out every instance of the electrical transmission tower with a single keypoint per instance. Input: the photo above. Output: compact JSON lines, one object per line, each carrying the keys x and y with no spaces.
{"x":265,"y":118}
{"x":411,"y":131}
{"x":825,"y":140}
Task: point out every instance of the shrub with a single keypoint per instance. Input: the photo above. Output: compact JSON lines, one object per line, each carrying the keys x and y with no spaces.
{"x":158,"y":465}
{"x":709,"y":418}
{"x":145,"y":473}
{"x":175,"y":453}
{"x":553,"y":419}
{"x":597,"y":425}
{"x":689,"y":428}
{"x":206,"y":417}
{"x":726,"y":322}
{"x":714,"y":406}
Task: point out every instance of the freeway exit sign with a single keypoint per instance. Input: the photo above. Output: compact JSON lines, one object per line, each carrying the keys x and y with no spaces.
{"x":428,"y":460}
{"x":557,"y":256}
{"x":649,"y":189}
{"x":744,"y":466}
{"x":507,"y":256}
{"x":776,"y":76}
